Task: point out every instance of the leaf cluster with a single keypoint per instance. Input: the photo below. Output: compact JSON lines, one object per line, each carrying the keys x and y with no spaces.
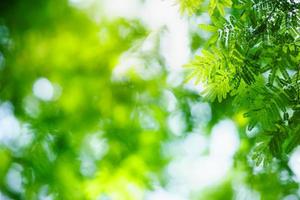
{"x":253,"y":55}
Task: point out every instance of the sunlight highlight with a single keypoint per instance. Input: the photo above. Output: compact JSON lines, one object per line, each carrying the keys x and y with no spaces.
{"x":43,"y":89}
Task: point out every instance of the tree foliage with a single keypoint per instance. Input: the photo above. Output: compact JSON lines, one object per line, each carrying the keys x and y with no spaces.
{"x":115,"y":125}
{"x":253,"y":57}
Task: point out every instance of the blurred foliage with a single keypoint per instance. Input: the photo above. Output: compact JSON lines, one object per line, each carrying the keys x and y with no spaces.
{"x":73,"y":131}
{"x":100,"y":134}
{"x":86,"y":106}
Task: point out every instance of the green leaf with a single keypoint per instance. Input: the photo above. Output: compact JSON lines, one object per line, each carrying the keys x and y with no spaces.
{"x":211,"y":7}
{"x":221,"y":9}
{"x":209,"y":28}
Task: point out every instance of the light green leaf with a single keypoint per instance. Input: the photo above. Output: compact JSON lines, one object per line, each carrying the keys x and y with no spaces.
{"x":209,"y":28}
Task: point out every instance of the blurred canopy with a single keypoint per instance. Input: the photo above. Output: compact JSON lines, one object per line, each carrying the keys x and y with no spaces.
{"x":74,"y":124}
{"x":70,"y":133}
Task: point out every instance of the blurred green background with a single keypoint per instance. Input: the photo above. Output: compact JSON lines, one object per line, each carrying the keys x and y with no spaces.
{"x":93,"y":105}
